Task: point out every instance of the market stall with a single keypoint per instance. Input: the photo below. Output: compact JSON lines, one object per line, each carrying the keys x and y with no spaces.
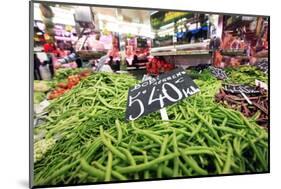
{"x":81,"y":133}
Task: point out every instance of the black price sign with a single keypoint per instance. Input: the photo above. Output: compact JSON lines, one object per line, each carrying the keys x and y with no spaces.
{"x":218,"y":73}
{"x":156,"y":93}
{"x":241,"y":88}
{"x":263,"y":65}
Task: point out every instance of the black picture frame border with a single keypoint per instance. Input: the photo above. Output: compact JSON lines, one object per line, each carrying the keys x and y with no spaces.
{"x":31,"y":92}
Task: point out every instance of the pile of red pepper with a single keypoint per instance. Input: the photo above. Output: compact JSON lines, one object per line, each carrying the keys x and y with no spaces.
{"x":157,"y":66}
{"x":257,"y":110}
{"x":72,"y":81}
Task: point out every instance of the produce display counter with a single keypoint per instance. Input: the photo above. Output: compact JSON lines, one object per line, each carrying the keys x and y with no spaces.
{"x":85,"y":126}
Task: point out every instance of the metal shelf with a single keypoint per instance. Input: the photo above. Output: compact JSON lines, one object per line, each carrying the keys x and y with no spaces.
{"x":135,"y":68}
{"x":181,"y":53}
{"x":182,"y":49}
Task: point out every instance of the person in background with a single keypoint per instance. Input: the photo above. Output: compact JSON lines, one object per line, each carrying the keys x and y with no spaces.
{"x":71,"y":49}
{"x":114,"y":64}
{"x":61,"y":52}
{"x":94,"y":43}
{"x":135,"y":61}
{"x":71,"y":60}
{"x":111,"y":63}
{"x":78,"y":62}
{"x":78,"y":58}
{"x":37,"y":63}
{"x":51,"y":65}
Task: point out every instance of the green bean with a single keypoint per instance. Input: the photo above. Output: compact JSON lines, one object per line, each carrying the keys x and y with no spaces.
{"x":57,"y":173}
{"x":180,"y":137}
{"x":140,"y":158}
{"x":108,"y":105}
{"x":229,"y":130}
{"x":150,"y":146}
{"x":195,"y":131}
{"x":229,"y":123}
{"x":119,"y":131}
{"x":162,"y":152}
{"x":248,"y":124}
{"x":210,"y":127}
{"x":176,"y":159}
{"x":196,"y":152}
{"x":236,"y":146}
{"x":146,"y":173}
{"x":192,"y":163}
{"x":224,"y":122}
{"x":217,"y":167}
{"x":110,"y":147}
{"x":131,"y":159}
{"x":107,"y":89}
{"x":164,"y":146}
{"x":227,"y":165}
{"x":116,"y":162}
{"x":184,"y":169}
{"x":183,"y":112}
{"x":102,"y":159}
{"x":165,"y":170}
{"x":182,"y":131}
{"x":210,"y":139}
{"x":259,"y":156}
{"x":200,"y":140}
{"x":144,"y":166}
{"x":124,"y":144}
{"x":181,"y":123}
{"x":231,"y":115}
{"x":108,"y":166}
{"x":114,"y":173}
{"x":153,"y":137}
{"x":93,"y":147}
{"x":91,"y":170}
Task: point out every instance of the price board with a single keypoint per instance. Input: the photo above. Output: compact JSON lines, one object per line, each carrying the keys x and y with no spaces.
{"x":156,"y":93}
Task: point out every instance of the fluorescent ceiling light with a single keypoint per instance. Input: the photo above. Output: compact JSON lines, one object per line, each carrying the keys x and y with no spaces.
{"x":39,"y":33}
{"x":167,"y":26}
{"x":154,"y":12}
{"x":61,"y":16}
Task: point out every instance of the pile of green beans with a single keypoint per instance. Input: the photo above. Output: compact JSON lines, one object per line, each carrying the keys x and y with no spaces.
{"x":245,"y":75}
{"x":95,"y":144}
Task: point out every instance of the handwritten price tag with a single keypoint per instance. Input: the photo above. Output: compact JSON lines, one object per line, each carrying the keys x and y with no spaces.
{"x":241,"y":88}
{"x":263,"y":65}
{"x":218,"y":73}
{"x":154,"y":94}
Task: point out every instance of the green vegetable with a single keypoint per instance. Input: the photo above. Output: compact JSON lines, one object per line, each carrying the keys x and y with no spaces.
{"x":42,"y":86}
{"x":95,"y":142}
{"x":108,"y":166}
{"x":245,"y":75}
{"x":38,"y":97}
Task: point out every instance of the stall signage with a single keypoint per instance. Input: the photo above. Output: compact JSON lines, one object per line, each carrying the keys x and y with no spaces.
{"x":263,"y":65}
{"x":218,"y":73}
{"x":156,"y":93}
{"x":241,"y":88}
